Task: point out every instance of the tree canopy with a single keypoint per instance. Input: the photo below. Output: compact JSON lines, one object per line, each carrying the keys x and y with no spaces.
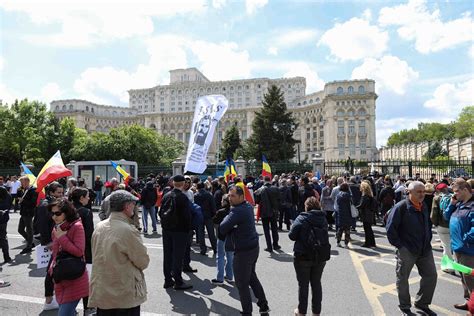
{"x":30,"y":133}
{"x":230,"y":143}
{"x":435,"y":132}
{"x":273,"y":129}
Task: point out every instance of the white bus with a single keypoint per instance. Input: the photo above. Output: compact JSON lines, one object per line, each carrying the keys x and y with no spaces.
{"x":88,"y":170}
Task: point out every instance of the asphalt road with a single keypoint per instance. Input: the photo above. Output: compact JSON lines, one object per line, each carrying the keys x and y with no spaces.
{"x":356,"y":281}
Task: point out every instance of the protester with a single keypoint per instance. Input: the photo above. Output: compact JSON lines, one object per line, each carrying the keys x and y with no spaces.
{"x":118,"y":284}
{"x":327,"y":203}
{"x":98,"y":184}
{"x":45,"y":227}
{"x":176,"y":222}
{"x":309,"y":264}
{"x":440,"y":223}
{"x":5,"y":204}
{"x":460,"y":214}
{"x":205,"y":200}
{"x":239,"y":226}
{"x":367,"y":209}
{"x":343,"y":215}
{"x":268,"y":198}
{"x":148,"y":200}
{"x":14,"y":187}
{"x":105,"y":207}
{"x":225,"y":253}
{"x":27,"y":210}
{"x":286,"y":204}
{"x":68,"y":237}
{"x":409,"y":230}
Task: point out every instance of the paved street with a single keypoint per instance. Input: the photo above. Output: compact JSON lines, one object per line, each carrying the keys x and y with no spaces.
{"x":358,"y":281}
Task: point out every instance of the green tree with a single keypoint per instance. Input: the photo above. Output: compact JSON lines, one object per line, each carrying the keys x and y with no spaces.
{"x":230,"y":143}
{"x":464,"y":126}
{"x":435,"y":150}
{"x":273,"y":129}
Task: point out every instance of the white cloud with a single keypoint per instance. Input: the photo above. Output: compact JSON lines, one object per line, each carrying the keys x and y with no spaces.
{"x":449,"y":98}
{"x":355,"y":39}
{"x":272,"y":50}
{"x":389,"y":72}
{"x":417,"y":23}
{"x":252,"y":6}
{"x":50,"y":92}
{"x":294,"y":37}
{"x":218,"y":4}
{"x":218,"y":61}
{"x":303,"y":69}
{"x":85,"y":22}
{"x":367,"y":14}
{"x":471,"y":51}
{"x":2,"y":63}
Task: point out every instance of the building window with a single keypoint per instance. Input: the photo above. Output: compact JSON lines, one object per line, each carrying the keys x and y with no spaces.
{"x":363,"y":149}
{"x":340,"y":127}
{"x":361,"y":89}
{"x":362,"y":112}
{"x":340,"y":90}
{"x":321,"y":133}
{"x":350,"y":89}
{"x":351,"y":127}
{"x":340,"y":113}
{"x":352,"y":149}
{"x":341,"y":149}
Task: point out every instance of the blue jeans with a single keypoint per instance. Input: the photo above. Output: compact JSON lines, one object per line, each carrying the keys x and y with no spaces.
{"x":98,"y":197}
{"x":152,"y":211}
{"x":68,"y":309}
{"x":221,"y":257}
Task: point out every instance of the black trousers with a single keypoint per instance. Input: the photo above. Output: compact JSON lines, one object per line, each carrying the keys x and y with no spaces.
{"x":309,"y":272}
{"x":25,"y":229}
{"x":245,"y":276}
{"x":284,"y":215}
{"x":270,"y":222}
{"x":134,"y":311}
{"x":187,"y":252}
{"x":48,"y":281}
{"x":346,"y":229}
{"x":369,"y":235}
{"x":174,"y":248}
{"x":4,"y":241}
{"x":208,"y":225}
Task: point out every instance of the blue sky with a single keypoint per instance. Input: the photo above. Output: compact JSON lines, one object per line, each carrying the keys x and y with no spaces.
{"x":419,"y":52}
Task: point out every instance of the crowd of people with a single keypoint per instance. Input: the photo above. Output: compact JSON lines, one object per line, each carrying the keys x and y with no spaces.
{"x":189,"y":209}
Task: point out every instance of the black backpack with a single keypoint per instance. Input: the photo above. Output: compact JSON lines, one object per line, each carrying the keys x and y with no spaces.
{"x":317,"y":243}
{"x":168,"y":213}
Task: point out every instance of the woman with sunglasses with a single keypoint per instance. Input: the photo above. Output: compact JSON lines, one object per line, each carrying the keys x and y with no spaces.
{"x":68,"y":236}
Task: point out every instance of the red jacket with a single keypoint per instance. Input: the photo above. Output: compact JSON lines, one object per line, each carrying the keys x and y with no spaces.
{"x":73,"y":242}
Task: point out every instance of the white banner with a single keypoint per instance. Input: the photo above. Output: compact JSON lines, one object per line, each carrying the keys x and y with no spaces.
{"x":43,"y":254}
{"x":209,"y":110}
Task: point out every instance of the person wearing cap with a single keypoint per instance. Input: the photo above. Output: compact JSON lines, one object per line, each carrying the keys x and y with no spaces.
{"x":441,"y":224}
{"x":175,"y":233}
{"x":117,"y":283}
{"x":460,"y":215}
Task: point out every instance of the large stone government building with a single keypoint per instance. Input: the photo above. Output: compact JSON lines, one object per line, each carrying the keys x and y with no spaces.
{"x":334,"y":123}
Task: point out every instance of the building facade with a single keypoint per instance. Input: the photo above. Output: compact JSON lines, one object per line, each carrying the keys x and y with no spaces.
{"x":458,"y":149}
{"x":334,"y":123}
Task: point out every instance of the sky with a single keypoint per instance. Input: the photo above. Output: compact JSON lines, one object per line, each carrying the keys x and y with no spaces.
{"x":420,"y":53}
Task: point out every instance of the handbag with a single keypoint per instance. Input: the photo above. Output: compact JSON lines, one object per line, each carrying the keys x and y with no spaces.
{"x":354,"y":211}
{"x":68,"y":267}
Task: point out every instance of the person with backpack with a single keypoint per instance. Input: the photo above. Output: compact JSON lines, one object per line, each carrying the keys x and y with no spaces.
{"x":409,"y":230}
{"x":311,"y":251}
{"x":176,"y":222}
{"x":441,"y":201}
{"x":460,"y":215}
{"x":367,"y":208}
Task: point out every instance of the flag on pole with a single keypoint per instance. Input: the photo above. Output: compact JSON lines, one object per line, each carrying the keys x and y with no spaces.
{"x":29,"y":174}
{"x":122,"y":172}
{"x":247,"y":194}
{"x":266,"y":170}
{"x":230,"y":171}
{"x":52,"y":170}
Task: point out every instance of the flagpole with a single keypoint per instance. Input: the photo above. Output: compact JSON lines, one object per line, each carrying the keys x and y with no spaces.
{"x":217,"y":149}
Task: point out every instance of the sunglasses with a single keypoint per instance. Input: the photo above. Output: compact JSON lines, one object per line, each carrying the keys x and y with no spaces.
{"x":56,"y":213}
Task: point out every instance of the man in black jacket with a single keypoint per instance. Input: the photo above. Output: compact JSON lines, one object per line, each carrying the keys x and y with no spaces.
{"x":176,"y":222}
{"x":5,"y":204}
{"x":239,"y":226}
{"x":268,"y":197}
{"x":27,"y":211}
{"x":208,"y":206}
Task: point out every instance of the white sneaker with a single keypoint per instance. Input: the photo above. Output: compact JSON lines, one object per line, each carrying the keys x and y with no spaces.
{"x":53,"y":305}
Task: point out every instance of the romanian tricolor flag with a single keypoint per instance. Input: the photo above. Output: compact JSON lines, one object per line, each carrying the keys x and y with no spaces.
{"x":52,"y":170}
{"x":29,"y":174}
{"x":230,"y":170}
{"x":266,"y":170}
{"x":247,"y":194}
{"x":120,"y":170}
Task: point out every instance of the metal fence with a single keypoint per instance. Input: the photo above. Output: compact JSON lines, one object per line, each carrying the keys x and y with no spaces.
{"x":426,"y":168}
{"x":279,"y":168}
